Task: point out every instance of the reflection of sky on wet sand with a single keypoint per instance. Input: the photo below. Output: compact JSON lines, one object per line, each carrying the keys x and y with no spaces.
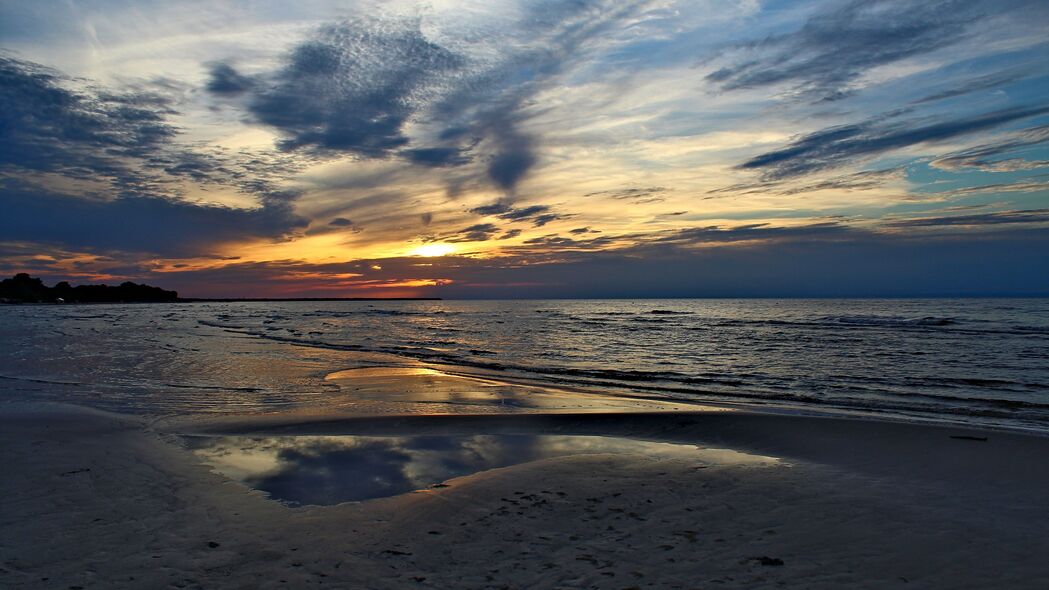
{"x":324,"y":470}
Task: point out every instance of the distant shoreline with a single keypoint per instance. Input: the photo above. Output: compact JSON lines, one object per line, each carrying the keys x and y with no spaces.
{"x":264,"y":299}
{"x":225,"y":300}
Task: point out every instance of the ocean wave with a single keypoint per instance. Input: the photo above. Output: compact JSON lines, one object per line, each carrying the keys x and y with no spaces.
{"x":868,"y":320}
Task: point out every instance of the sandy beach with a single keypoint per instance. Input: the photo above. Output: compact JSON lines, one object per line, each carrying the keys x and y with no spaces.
{"x":98,"y":500}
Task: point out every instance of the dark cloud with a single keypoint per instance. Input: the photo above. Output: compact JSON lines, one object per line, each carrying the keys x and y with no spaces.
{"x":514,"y":158}
{"x":838,"y":146}
{"x":523,"y":213}
{"x":343,"y":224}
{"x":124,"y":144}
{"x":475,"y":233}
{"x":836,"y":46}
{"x":539,"y":215}
{"x":494,"y":102}
{"x":513,"y":233}
{"x":144,"y":224}
{"x":999,"y":218}
{"x":223,"y":79}
{"x":437,"y":157}
{"x":120,"y":138}
{"x":47,"y":127}
{"x":556,"y":242}
{"x":353,"y":87}
{"x":541,"y":220}
{"x":493,"y":209}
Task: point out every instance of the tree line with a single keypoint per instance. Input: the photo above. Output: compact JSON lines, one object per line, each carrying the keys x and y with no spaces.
{"x":23,"y":288}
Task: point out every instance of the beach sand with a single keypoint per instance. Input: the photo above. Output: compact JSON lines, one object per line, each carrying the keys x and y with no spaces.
{"x":98,"y":500}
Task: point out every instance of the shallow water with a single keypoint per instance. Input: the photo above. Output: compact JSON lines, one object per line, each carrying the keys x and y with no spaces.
{"x":323,"y":470}
{"x":972,"y":361}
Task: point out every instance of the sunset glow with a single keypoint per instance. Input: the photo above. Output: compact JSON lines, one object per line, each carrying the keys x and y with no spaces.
{"x":430,"y":250}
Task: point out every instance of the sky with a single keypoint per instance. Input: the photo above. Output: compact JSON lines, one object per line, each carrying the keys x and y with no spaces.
{"x":507,"y":149}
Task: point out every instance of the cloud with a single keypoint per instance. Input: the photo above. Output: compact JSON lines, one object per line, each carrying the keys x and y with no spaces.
{"x":352,"y":88}
{"x":541,"y":220}
{"x":340,"y":224}
{"x":475,"y":233}
{"x":1020,"y":186}
{"x":838,"y":146}
{"x":515,"y":157}
{"x":438,"y":156}
{"x":821,"y":59}
{"x":523,"y":213}
{"x":494,"y":209}
{"x":383,"y":87}
{"x":998,"y":218}
{"x":124,"y":139}
{"x":636,"y":195}
{"x":539,"y":215}
{"x":985,"y":156}
{"x":976,"y":84}
{"x":144,"y":224}
{"x":47,"y":127}
{"x":857,"y":181}
{"x":224,"y":80}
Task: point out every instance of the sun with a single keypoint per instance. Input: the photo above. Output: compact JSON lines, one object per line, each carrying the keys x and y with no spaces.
{"x":429,"y":250}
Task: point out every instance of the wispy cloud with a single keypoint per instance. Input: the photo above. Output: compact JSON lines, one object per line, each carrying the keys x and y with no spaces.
{"x":1003,"y":217}
{"x":989,"y":156}
{"x":846,"y":144}
{"x":820,"y":60}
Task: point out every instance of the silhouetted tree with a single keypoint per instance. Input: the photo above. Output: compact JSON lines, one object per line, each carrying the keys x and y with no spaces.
{"x":23,"y":288}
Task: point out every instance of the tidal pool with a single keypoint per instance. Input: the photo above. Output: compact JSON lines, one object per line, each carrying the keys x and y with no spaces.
{"x":324,"y":470}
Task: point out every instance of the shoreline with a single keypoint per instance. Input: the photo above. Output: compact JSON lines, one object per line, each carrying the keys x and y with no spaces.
{"x":94,"y":499}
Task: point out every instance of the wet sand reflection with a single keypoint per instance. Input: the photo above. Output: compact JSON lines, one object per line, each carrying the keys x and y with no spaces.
{"x":324,"y":470}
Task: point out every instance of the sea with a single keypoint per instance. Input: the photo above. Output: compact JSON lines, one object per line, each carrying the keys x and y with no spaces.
{"x":982,"y":362}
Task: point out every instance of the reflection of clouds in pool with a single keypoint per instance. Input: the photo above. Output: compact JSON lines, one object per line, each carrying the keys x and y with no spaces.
{"x":323,"y":472}
{"x":333,"y":469}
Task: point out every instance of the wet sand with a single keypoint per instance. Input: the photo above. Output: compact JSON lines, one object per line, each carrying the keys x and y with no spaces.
{"x":96,"y":500}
